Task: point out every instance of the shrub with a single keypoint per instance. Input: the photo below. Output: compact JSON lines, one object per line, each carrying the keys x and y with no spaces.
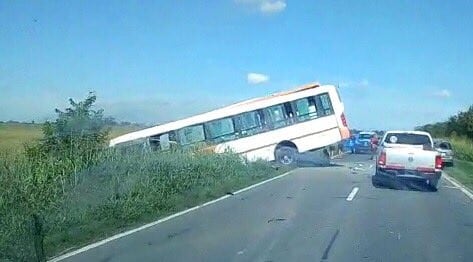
{"x":463,"y":148}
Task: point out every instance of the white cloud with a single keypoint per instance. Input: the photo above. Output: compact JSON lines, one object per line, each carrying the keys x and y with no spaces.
{"x":256,"y":78}
{"x":265,"y":6}
{"x":361,"y":83}
{"x":444,"y":93}
{"x":270,"y":7}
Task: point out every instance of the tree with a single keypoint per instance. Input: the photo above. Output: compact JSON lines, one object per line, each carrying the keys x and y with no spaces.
{"x":465,"y":122}
{"x":78,"y":133}
{"x":460,"y":124}
{"x":70,"y":143}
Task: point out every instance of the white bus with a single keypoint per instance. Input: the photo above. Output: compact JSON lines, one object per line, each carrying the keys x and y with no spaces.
{"x":276,"y":127}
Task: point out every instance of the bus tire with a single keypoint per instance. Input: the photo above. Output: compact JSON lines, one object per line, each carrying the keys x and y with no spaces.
{"x":286,"y":155}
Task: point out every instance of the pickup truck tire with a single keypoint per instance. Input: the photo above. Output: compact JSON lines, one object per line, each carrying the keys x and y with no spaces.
{"x":433,"y":183}
{"x":376,"y":181}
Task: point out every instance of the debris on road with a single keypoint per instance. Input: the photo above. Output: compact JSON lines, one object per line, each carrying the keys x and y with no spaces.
{"x":276,"y":220}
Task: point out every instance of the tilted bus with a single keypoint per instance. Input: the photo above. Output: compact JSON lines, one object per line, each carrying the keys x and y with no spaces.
{"x":276,"y":127}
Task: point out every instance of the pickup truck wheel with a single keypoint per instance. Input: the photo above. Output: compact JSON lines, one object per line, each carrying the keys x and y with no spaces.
{"x":375,"y":180}
{"x":433,"y":183}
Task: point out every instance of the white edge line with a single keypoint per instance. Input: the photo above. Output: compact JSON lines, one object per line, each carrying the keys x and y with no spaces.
{"x":352,"y":194}
{"x":454,"y":182}
{"x":129,"y":232}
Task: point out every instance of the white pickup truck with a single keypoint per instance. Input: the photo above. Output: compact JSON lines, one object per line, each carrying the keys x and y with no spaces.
{"x":408,"y":155}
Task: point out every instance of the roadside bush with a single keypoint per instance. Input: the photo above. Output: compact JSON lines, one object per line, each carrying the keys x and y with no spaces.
{"x":463,"y":148}
{"x":30,"y":189}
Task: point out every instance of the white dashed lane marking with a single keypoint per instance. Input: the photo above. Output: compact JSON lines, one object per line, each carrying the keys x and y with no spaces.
{"x":352,"y":194}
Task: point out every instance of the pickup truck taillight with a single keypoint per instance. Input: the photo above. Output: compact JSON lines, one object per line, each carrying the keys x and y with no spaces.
{"x":438,"y":162}
{"x":382,"y":159}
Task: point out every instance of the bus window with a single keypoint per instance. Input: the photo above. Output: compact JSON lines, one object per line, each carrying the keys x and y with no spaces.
{"x":289,"y":112}
{"x":191,"y":134}
{"x":220,"y":130}
{"x":164,"y":142}
{"x":312,"y":107}
{"x":305,"y":109}
{"x":154,"y":142}
{"x":323,"y":104}
{"x":249,"y":123}
{"x":277,"y":116}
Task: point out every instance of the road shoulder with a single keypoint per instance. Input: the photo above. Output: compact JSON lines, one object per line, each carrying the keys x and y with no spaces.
{"x":459,"y":185}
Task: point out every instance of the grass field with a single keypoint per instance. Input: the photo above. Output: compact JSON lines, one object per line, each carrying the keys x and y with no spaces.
{"x":463,"y":148}
{"x":463,"y":168}
{"x":14,"y":135}
{"x":463,"y":172}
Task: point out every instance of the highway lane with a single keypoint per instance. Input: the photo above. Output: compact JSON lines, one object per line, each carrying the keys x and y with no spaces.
{"x":305,"y":216}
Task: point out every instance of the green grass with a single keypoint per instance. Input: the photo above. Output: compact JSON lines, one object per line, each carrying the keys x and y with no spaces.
{"x":462,"y":171}
{"x":128,"y":194}
{"x":122,"y":190}
{"x":463,"y":148}
{"x":463,"y":164}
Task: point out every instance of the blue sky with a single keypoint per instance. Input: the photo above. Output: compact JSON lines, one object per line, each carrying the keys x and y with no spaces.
{"x":398,"y":63}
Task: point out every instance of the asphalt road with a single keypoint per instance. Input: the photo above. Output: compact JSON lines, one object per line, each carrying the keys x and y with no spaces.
{"x":305,"y":216}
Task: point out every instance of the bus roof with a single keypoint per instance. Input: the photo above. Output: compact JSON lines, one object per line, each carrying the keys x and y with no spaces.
{"x":237,"y":108}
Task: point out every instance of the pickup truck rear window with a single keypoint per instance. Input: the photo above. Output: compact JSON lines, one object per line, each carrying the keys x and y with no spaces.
{"x":409,"y":139}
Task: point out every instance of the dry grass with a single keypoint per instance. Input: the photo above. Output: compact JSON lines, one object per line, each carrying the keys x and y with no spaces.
{"x":14,"y":135}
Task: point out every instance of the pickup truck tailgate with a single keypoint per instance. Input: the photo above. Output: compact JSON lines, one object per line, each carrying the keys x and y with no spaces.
{"x":410,"y":158}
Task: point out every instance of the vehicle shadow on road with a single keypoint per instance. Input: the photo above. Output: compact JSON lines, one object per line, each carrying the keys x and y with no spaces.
{"x":401,"y":184}
{"x":314,"y":159}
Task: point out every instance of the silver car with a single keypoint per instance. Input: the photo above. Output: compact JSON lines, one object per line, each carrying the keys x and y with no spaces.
{"x":446,"y":151}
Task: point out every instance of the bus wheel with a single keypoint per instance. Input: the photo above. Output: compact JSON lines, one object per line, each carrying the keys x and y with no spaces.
{"x":286,"y":155}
